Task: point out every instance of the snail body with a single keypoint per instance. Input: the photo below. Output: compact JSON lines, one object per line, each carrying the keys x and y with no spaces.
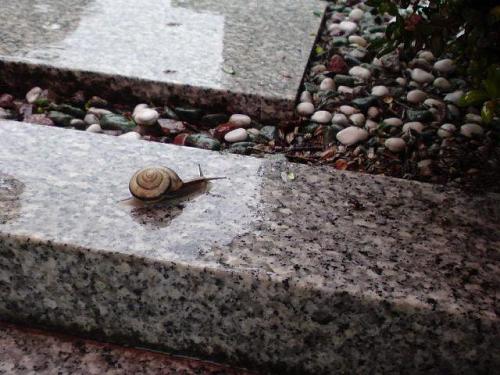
{"x":157,"y":183}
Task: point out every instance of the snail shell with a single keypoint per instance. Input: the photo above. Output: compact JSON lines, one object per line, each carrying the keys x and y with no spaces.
{"x":153,"y":183}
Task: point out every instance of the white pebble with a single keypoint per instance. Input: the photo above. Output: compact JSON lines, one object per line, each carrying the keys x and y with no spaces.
{"x":469,"y":130}
{"x":442,"y":83}
{"x":393,"y":121}
{"x":416,"y":96}
{"x":358,"y":53}
{"x":373,"y":112}
{"x":340,"y":119}
{"x":360,"y":72}
{"x":401,"y":81}
{"x":431,"y":102}
{"x":94,"y":128}
{"x":359,"y":40}
{"x":305,"y":109}
{"x":352,"y":135}
{"x":138,"y":108}
{"x":240,"y":120}
{"x":345,"y":90}
{"x":348,"y":110}
{"x":327,"y":84}
{"x":370,"y":124}
{"x":348,"y":27}
{"x":380,"y":91}
{"x":146,"y":117}
{"x":358,"y":119}
{"x":131,"y":136}
{"x":356,"y":15}
{"x":306,"y":97}
{"x":236,"y":135}
{"x":415,"y":126}
{"x":395,"y":144}
{"x":322,"y":117}
{"x":446,"y":130}
{"x":445,"y":66}
{"x":421,"y":76}
{"x":454,"y":96}
{"x":320,"y":68}
{"x":99,"y":111}
{"x":90,"y":119}
{"x":427,"y":55}
{"x":472,"y":117}
{"x":33,"y":95}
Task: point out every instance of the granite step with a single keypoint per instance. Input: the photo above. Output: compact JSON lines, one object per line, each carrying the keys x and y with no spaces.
{"x":243,"y":56}
{"x":279,"y":268}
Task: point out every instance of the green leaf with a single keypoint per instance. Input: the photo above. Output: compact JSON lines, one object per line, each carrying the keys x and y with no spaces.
{"x":319,"y":50}
{"x":488,"y":111}
{"x":317,"y":13}
{"x":473,"y":97}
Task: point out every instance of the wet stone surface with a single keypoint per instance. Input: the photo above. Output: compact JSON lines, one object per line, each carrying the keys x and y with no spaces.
{"x":280,"y":267}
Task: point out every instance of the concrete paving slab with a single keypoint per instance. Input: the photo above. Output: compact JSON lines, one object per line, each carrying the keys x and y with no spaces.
{"x":245,"y":55}
{"x":281,"y":267}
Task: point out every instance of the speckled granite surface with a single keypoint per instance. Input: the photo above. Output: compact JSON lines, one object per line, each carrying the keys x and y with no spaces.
{"x":29,"y":351}
{"x":247,"y":55}
{"x":331,"y":271}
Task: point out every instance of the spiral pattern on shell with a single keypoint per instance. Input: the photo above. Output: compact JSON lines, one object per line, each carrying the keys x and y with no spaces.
{"x":153,"y":183}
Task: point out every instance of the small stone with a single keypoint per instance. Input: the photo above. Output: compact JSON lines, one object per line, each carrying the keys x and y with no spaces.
{"x":138,"y":108}
{"x":221,"y":130}
{"x":472,"y":117}
{"x":180,"y":139}
{"x":236,"y":135}
{"x":60,"y":119}
{"x":169,"y":113}
{"x":380,"y":91}
{"x":359,"y":40}
{"x":393,"y":121}
{"x":360,"y":72}
{"x":98,"y":102}
{"x":470,"y":130}
{"x":322,"y":117}
{"x":327,"y":84}
{"x":316,"y":69}
{"x":357,"y":54}
{"x":345,"y":90}
{"x":243,"y":121}
{"x":90,"y":119}
{"x":70,"y":110}
{"x":401,"y":81}
{"x":371,"y":125}
{"x":146,"y":117}
{"x":446,"y":130}
{"x":340,"y":119}
{"x":421,"y":76}
{"x":427,"y":55}
{"x":364,"y":103}
{"x":358,"y":119}
{"x":434,"y":103}
{"x":445,"y":66}
{"x":33,"y":95}
{"x":94,"y":128}
{"x":391,"y":62}
{"x":356,"y":15}
{"x":442,"y":84}
{"x":214,"y":119}
{"x":6,"y":101}
{"x":78,"y":124}
{"x":99,"y":111}
{"x":348,"y":110}
{"x":241,"y":148}
{"x":114,"y":121}
{"x":169,"y":126}
{"x":373,"y":112}
{"x":344,"y":80}
{"x":269,"y":132}
{"x":419,"y":115}
{"x":453,"y":111}
{"x":189,"y":114}
{"x":39,"y":119}
{"x":454,"y":97}
{"x":416,"y":96}
{"x":201,"y":141}
{"x":416,"y":126}
{"x":131,"y":136}
{"x":352,"y":135}
{"x":305,"y":109}
{"x":348,"y":27}
{"x":306,"y":97}
{"x":395,"y":144}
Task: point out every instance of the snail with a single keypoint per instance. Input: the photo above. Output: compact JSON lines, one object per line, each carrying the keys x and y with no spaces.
{"x":157,"y":183}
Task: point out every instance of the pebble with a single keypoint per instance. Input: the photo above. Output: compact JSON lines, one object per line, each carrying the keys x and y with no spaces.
{"x":322,"y":117}
{"x":236,"y":135}
{"x":90,"y":119}
{"x":99,"y":111}
{"x":345,"y":90}
{"x":340,"y":119}
{"x":442,"y":84}
{"x":373,"y":112}
{"x":240,"y":120}
{"x":454,"y":96}
{"x":115,"y":121}
{"x":327,"y":84}
{"x":359,"y":40}
{"x":421,"y":76}
{"x":356,"y":14}
{"x":348,"y":27}
{"x":469,"y":130}
{"x":358,"y":119}
{"x":348,"y":110}
{"x":380,"y":91}
{"x":416,"y":96}
{"x":131,"y":136}
{"x":146,"y":117}
{"x":427,"y":55}
{"x":352,"y":135}
{"x":445,"y":66}
{"x":320,"y":68}
{"x":203,"y":141}
{"x":415,"y":126}
{"x":395,"y":144}
{"x":393,"y":121}
{"x":472,"y":117}
{"x":4,"y":114}
{"x":431,"y":102}
{"x":138,"y":108}
{"x":360,"y":72}
{"x":33,"y":95}
{"x":370,"y":125}
{"x":306,"y":97}
{"x":305,"y":109}
{"x":94,"y":128}
{"x":78,"y":124}
{"x":446,"y":130}
{"x":401,"y":81}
